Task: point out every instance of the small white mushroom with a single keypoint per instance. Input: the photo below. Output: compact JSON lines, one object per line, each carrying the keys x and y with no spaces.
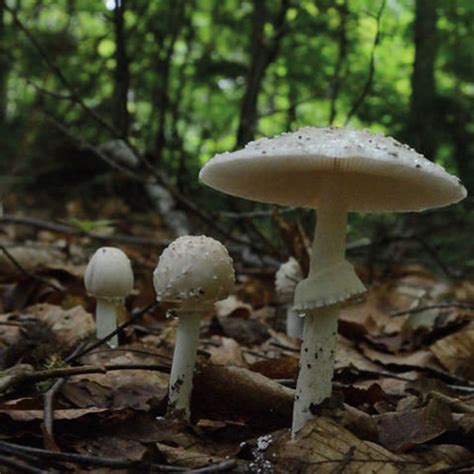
{"x":335,"y":171}
{"x":286,"y":278}
{"x":193,"y":273}
{"x":109,"y":279}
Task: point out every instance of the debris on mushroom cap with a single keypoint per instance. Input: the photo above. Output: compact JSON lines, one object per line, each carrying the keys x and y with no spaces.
{"x":375,"y":172}
{"x":194,"y":269}
{"x":109,"y":274}
{"x":286,"y":279}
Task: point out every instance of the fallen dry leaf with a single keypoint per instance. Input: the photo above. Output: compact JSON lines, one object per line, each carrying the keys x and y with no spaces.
{"x":322,"y":447}
{"x":399,"y":431}
{"x":456,"y":352}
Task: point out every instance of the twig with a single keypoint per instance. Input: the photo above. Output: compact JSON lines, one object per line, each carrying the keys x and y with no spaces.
{"x":345,"y":461}
{"x":71,"y":230}
{"x":20,"y":466}
{"x":420,"y":309}
{"x":222,"y":466}
{"x":48,"y":411}
{"x":368,"y":84}
{"x":40,"y":375}
{"x":135,"y":316}
{"x":27,"y":273}
{"x":81,"y":459}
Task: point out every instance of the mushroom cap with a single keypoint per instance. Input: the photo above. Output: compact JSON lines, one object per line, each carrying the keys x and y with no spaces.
{"x":109,"y":274}
{"x":194,"y":270}
{"x":375,"y":172}
{"x":286,"y":278}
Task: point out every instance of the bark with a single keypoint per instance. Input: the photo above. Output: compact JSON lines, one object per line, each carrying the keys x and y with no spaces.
{"x":262,"y":53}
{"x":121,"y":118}
{"x":3,"y":68}
{"x":422,"y":120}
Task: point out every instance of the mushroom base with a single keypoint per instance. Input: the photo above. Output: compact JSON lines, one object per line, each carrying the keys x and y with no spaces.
{"x":316,"y":363}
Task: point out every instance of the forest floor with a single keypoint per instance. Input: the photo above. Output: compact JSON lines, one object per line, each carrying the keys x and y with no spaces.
{"x":403,"y":398}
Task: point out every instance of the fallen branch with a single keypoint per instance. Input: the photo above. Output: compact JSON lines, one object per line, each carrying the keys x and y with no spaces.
{"x":71,"y":230}
{"x":81,"y":459}
{"x":28,"y":376}
{"x":420,"y":309}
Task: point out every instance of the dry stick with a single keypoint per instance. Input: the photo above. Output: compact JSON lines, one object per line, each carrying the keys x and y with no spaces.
{"x":81,"y":459}
{"x":433,"y":306}
{"x":47,"y":374}
{"x":135,"y":316}
{"x":345,"y":461}
{"x":27,"y":273}
{"x":222,"y":466}
{"x":48,"y":411}
{"x":71,"y":230}
{"x":20,"y":466}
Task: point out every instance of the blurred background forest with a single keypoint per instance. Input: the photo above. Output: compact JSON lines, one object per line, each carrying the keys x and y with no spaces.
{"x":129,"y":98}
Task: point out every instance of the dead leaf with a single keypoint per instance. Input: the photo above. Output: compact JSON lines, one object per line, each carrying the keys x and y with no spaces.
{"x":456,"y":352}
{"x":323,"y":446}
{"x":398,"y":431}
{"x":131,"y":388}
{"x":70,"y":326}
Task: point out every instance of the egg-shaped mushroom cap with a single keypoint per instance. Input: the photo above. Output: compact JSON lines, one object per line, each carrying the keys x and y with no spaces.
{"x":194,"y":270}
{"x":375,"y":173}
{"x":109,"y":274}
{"x":286,"y":278}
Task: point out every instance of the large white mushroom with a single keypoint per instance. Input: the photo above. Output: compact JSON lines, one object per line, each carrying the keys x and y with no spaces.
{"x":109,"y":279}
{"x":335,"y":171}
{"x":193,"y":273}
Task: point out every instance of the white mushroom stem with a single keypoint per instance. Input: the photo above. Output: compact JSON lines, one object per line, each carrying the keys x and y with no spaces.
{"x":184,"y":359}
{"x":106,"y":320}
{"x":320,"y":327}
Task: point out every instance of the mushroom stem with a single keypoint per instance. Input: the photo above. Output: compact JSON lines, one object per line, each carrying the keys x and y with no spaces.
{"x":316,"y":363}
{"x":320,"y":327}
{"x":184,"y":359}
{"x":106,"y":320}
{"x":329,"y":243}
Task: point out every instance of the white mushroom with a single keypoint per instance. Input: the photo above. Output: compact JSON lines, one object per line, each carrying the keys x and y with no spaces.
{"x":109,"y":279}
{"x":334,"y":171}
{"x":193,"y":273}
{"x":286,"y":278}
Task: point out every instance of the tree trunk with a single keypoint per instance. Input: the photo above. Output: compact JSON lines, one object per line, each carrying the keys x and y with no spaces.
{"x":122,"y":73}
{"x":262,"y":54}
{"x":422,"y":119}
{"x":3,"y":69}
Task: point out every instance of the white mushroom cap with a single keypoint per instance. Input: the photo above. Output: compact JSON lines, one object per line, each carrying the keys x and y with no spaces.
{"x":286,"y":278}
{"x":375,"y":172}
{"x":194,"y":269}
{"x":109,"y":274}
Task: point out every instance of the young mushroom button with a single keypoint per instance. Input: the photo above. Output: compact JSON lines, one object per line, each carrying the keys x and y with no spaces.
{"x":335,"y":171}
{"x":193,"y":273}
{"x":109,"y":279}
